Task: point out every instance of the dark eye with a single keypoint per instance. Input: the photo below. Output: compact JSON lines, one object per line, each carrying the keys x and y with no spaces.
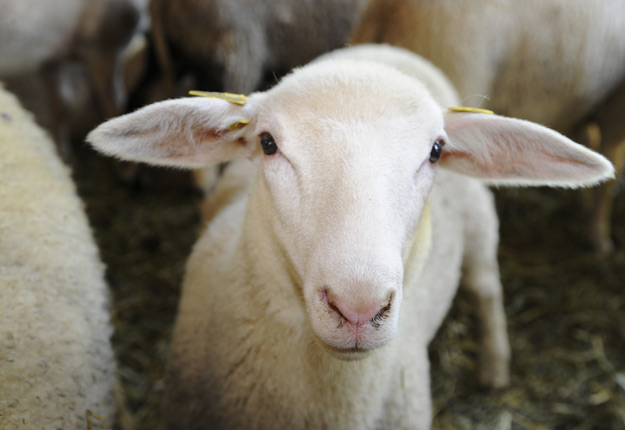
{"x":268,"y":144}
{"x":437,"y":150}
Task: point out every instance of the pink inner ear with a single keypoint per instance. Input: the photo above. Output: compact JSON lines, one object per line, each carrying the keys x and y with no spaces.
{"x":460,"y":159}
{"x":204,"y":134}
{"x":188,"y":133}
{"x":201,"y":134}
{"x":455,"y":154}
{"x":513,"y":164}
{"x":195,"y":147}
{"x":511,"y":151}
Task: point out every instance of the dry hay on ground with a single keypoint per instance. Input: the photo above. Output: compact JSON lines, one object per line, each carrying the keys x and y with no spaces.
{"x":565,"y":307}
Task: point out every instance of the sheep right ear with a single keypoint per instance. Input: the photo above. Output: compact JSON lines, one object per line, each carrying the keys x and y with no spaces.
{"x":187,"y":132}
{"x":509,"y":151}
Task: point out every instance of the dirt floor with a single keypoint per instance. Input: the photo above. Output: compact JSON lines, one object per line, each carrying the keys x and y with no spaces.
{"x":565,"y":307}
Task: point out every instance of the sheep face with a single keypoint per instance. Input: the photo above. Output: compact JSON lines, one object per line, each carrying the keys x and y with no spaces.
{"x":346,"y":182}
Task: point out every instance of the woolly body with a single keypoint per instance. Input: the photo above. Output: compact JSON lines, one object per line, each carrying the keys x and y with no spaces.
{"x":546,"y":61}
{"x":310,"y":299}
{"x":56,"y":360}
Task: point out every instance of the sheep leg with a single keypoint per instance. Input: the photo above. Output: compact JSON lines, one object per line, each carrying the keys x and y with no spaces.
{"x":603,"y":198}
{"x":600,"y":218}
{"x":106,"y":78}
{"x":58,"y":124}
{"x":608,"y":116}
{"x":481,"y":279}
{"x":163,"y":56}
{"x":483,"y":282}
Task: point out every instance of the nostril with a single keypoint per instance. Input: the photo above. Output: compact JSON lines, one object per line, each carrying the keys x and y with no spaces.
{"x":380,"y":316}
{"x":331,"y":305}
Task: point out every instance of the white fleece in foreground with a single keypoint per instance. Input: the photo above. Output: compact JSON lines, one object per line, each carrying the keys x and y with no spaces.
{"x":56,"y":360}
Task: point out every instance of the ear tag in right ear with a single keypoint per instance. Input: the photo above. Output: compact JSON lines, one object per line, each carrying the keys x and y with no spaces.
{"x":239,"y":124}
{"x":470,"y":110}
{"x":237,"y":99}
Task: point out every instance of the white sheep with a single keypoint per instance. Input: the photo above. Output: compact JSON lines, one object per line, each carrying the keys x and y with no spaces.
{"x":233,"y":44}
{"x":549,"y":61}
{"x":310,"y":299}
{"x":56,"y":360}
{"x":41,"y":40}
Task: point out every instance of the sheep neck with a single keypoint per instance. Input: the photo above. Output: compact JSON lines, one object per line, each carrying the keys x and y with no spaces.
{"x":420,"y":248}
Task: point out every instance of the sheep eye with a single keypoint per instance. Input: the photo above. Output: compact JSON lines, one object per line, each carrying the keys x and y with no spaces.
{"x":268,"y":144}
{"x":437,"y":151}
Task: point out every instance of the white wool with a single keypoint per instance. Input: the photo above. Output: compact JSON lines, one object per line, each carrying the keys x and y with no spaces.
{"x":549,"y":61}
{"x":330,"y":262}
{"x":56,"y":360}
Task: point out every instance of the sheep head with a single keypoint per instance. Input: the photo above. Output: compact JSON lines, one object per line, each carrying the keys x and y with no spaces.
{"x":347,"y":153}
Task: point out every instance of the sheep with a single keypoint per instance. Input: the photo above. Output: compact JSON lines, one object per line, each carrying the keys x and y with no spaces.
{"x":40,"y":42}
{"x":552,"y":62}
{"x":57,"y":368}
{"x":352,"y":202}
{"x":233,"y":44}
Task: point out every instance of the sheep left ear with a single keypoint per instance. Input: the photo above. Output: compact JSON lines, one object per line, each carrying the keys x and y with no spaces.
{"x":508,"y":151}
{"x":186,"y":132}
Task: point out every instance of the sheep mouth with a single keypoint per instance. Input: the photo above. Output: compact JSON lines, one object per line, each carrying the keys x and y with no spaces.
{"x":349,"y":354}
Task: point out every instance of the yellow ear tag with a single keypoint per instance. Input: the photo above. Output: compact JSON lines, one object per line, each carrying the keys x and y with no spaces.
{"x":239,"y":124}
{"x":470,"y":110}
{"x":237,"y":99}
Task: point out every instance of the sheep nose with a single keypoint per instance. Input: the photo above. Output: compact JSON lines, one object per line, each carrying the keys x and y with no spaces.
{"x":357,"y":314}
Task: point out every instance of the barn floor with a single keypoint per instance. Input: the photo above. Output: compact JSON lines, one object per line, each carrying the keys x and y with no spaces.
{"x":565,"y":307}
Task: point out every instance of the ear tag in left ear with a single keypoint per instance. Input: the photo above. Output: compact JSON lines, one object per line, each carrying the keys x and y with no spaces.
{"x":239,"y":124}
{"x":237,"y":99}
{"x":470,"y":110}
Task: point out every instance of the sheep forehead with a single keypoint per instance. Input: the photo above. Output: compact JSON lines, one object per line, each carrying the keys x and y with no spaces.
{"x":340,"y":86}
{"x":335,"y":99}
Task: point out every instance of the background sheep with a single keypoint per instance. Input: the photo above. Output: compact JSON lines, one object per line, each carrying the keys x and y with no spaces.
{"x":56,"y":360}
{"x":350,"y":264}
{"x":47,"y":50}
{"x":553,"y":62}
{"x":233,"y":45}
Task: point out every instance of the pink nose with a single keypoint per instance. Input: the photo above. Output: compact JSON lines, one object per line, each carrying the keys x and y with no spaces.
{"x":357,"y":315}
